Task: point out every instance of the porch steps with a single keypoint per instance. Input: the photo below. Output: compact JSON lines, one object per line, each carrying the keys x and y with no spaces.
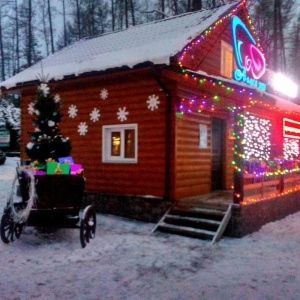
{"x":201,"y":222}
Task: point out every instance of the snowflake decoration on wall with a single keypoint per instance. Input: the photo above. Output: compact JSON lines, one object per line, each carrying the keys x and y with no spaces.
{"x":31,"y":108}
{"x":82,"y":128}
{"x":72,"y":111}
{"x":153,"y":102}
{"x":104,"y":94}
{"x":95,"y":115}
{"x":122,"y":114}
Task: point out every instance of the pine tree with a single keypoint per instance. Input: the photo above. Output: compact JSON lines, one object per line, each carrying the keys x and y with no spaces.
{"x":2,"y":116}
{"x":46,"y":139}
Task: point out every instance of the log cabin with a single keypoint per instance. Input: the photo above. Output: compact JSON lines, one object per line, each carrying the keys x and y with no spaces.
{"x":180,"y":112}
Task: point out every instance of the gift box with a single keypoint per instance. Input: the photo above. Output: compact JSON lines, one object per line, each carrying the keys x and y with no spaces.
{"x":67,"y":159}
{"x":38,"y":165}
{"x":38,"y":172}
{"x":26,"y":162}
{"x":55,"y":168}
{"x":74,"y":168}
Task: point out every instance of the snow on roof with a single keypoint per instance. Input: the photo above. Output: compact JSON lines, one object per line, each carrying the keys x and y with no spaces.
{"x":155,"y":42}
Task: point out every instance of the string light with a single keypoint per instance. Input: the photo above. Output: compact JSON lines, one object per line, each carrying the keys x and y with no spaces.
{"x":290,"y":149}
{"x":251,"y":135}
{"x":257,"y":137}
{"x":214,"y":27}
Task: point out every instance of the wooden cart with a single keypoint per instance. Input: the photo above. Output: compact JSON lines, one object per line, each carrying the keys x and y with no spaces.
{"x":57,"y":204}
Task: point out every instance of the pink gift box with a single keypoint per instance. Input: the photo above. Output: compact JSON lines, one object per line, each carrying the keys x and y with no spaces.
{"x":38,"y":172}
{"x":74,"y":168}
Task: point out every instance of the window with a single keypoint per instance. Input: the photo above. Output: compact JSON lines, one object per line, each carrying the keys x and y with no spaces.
{"x":120,"y":143}
{"x":203,"y":129}
{"x":226,"y":60}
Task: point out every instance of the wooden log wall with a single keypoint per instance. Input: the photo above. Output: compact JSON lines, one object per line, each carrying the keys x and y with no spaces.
{"x":193,"y":165}
{"x":130,"y":90}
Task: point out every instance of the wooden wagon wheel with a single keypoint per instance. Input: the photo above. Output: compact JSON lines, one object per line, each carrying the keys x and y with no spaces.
{"x":88,"y":225}
{"x":9,"y":229}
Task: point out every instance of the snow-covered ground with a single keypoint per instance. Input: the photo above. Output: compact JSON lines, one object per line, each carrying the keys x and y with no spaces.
{"x":126,"y":261}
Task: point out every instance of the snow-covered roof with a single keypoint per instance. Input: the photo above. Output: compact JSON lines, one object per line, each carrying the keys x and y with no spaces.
{"x":154,"y":42}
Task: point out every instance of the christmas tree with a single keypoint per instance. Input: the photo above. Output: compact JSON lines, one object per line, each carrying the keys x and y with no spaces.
{"x":46,"y":141}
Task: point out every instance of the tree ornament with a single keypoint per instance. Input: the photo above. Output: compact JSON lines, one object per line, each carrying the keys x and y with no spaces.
{"x":44,"y":89}
{"x":56,"y":98}
{"x":30,"y":108}
{"x":30,"y":145}
{"x":51,"y":123}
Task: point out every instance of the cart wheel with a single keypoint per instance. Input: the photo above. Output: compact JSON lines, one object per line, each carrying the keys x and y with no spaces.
{"x":9,"y":229}
{"x":88,"y":225}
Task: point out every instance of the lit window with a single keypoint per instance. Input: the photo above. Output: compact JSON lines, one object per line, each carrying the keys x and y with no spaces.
{"x":226,"y":60}
{"x":120,"y":143}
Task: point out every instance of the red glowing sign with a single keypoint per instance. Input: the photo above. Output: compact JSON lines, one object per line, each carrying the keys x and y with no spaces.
{"x":291,"y":128}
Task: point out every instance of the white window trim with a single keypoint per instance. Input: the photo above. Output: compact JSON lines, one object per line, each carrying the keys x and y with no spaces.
{"x":106,"y":143}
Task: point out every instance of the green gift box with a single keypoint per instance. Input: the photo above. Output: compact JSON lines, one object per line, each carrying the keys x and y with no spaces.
{"x":38,"y":166}
{"x":53,"y":167}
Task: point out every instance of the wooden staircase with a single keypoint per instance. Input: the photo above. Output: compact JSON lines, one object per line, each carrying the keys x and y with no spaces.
{"x":204,"y":222}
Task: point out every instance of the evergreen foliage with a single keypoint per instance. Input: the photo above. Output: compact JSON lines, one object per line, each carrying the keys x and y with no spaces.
{"x":10,"y":119}
{"x":46,"y":141}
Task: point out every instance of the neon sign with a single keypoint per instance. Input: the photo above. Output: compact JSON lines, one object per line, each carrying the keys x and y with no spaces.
{"x":250,"y":60}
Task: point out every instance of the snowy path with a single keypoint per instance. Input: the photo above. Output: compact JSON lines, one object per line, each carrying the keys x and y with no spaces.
{"x":126,"y":262}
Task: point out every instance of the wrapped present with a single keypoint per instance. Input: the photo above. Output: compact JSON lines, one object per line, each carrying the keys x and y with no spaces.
{"x":38,"y":165}
{"x":66,"y":160}
{"x":38,"y":172}
{"x":26,"y":162}
{"x":55,"y":168}
{"x":74,"y":168}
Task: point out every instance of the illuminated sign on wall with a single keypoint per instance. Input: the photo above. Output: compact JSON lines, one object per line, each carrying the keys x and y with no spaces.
{"x":291,"y":129}
{"x":291,"y":134}
{"x":249,"y":59}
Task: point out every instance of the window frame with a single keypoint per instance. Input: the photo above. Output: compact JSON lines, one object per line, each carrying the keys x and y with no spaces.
{"x":226,"y":48}
{"x":107,"y":131}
